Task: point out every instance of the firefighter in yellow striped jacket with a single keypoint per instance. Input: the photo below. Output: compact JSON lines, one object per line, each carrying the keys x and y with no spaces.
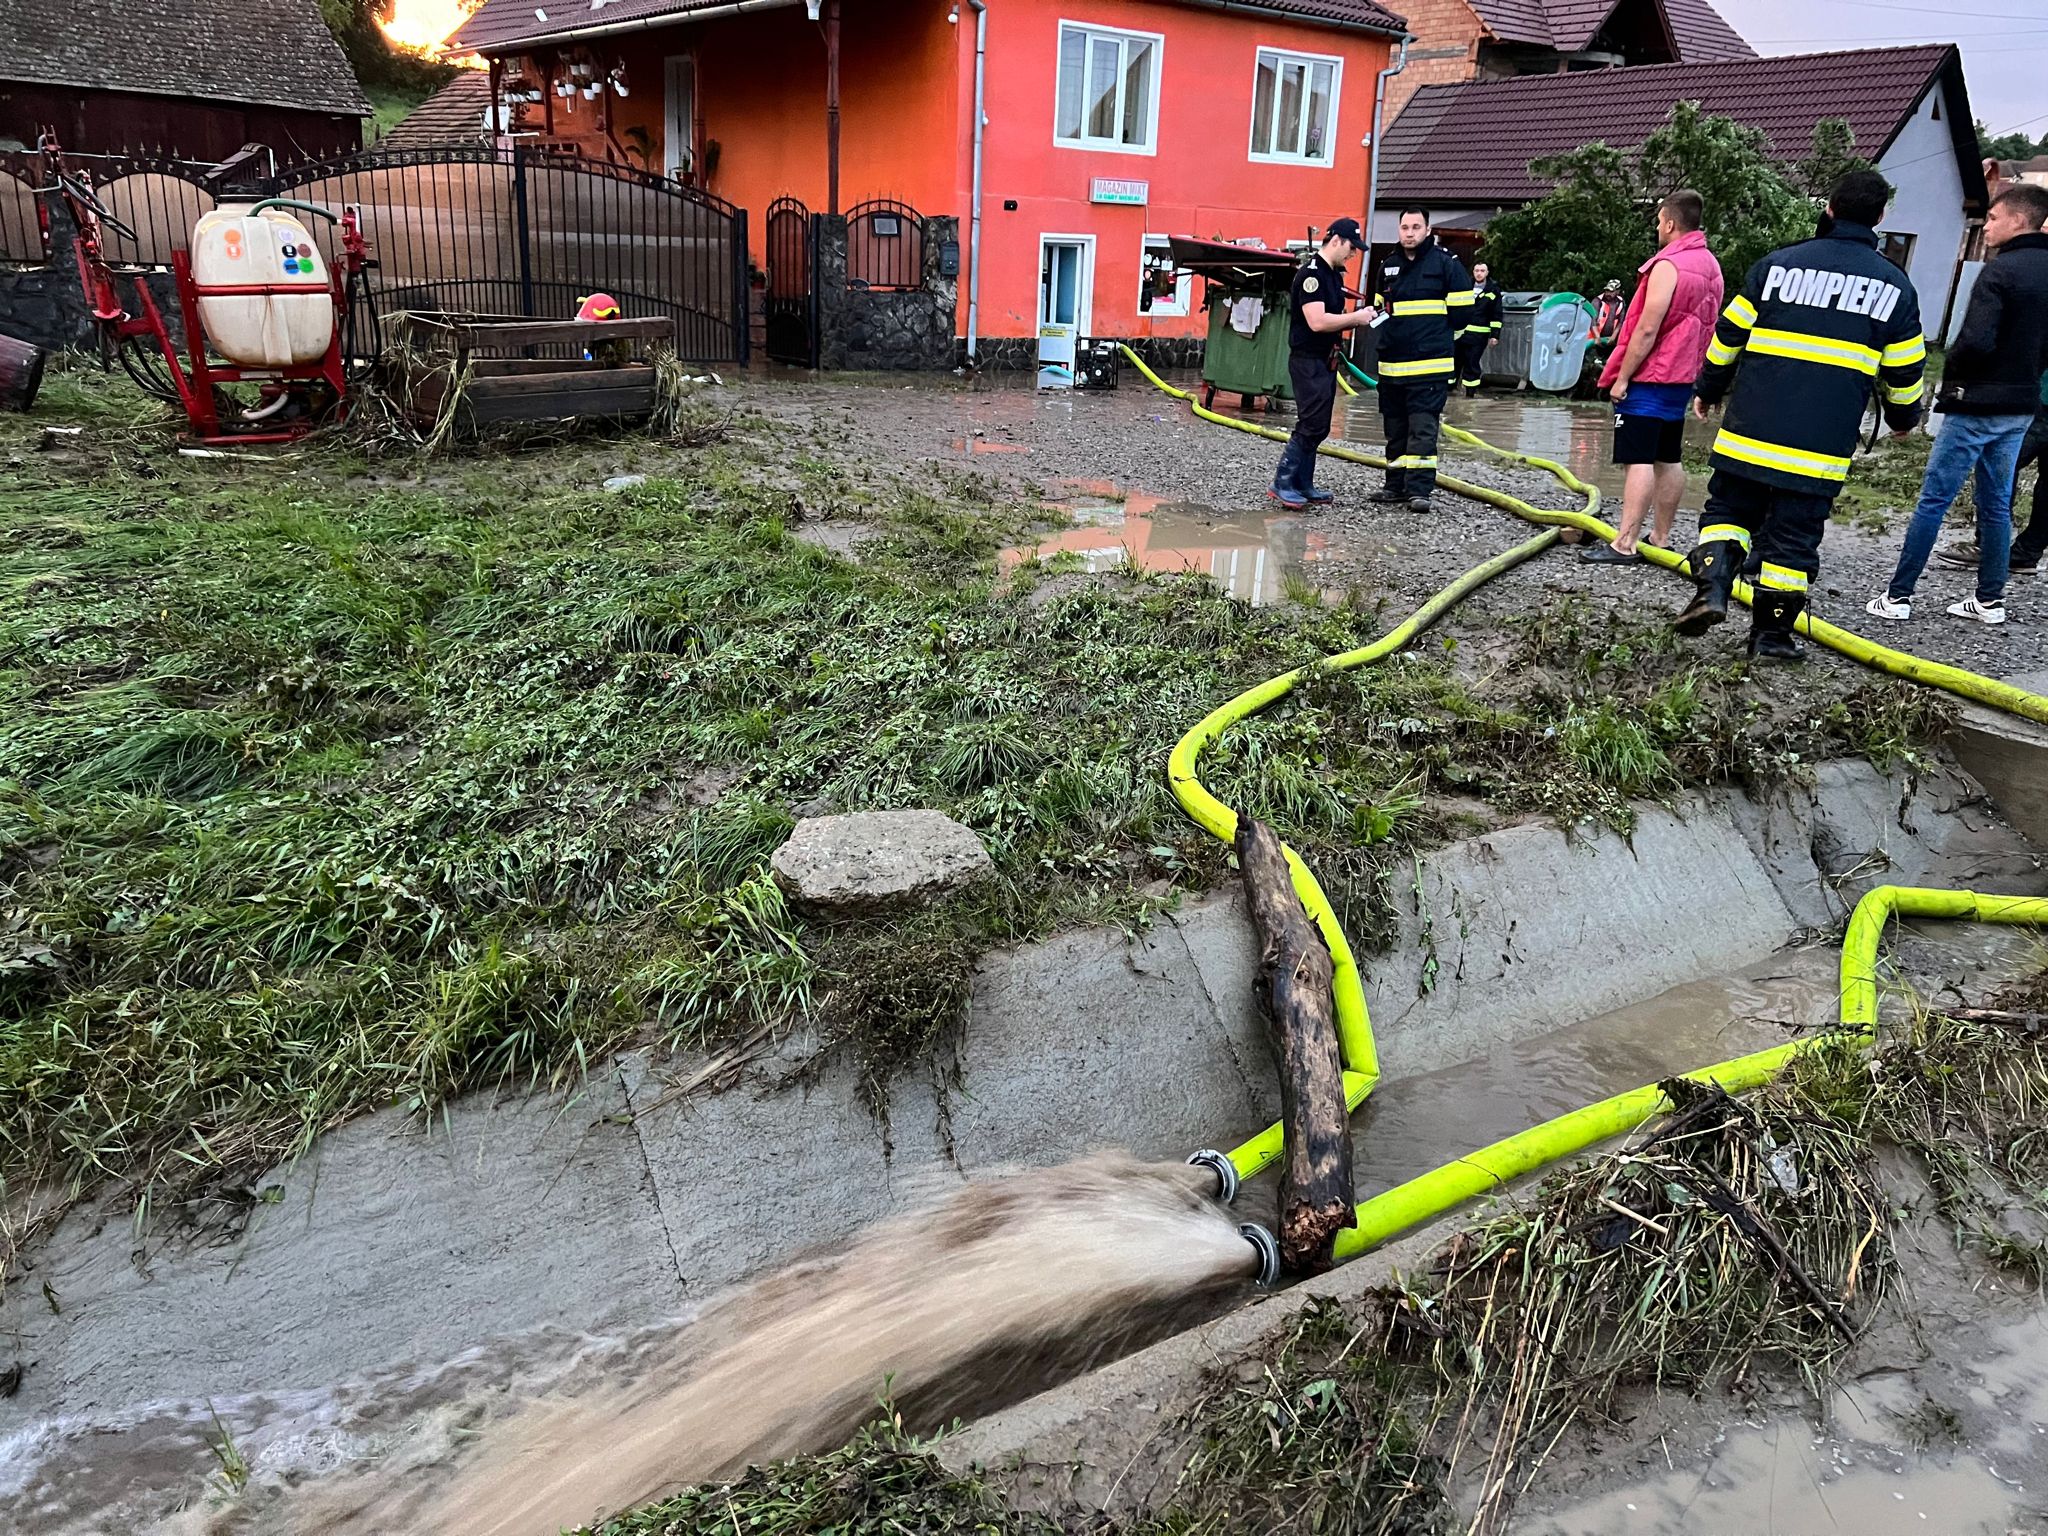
{"x":1817,"y":328}
{"x":1426,"y":296}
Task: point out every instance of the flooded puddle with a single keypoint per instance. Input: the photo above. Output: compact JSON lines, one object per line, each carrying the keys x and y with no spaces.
{"x":1247,"y":555}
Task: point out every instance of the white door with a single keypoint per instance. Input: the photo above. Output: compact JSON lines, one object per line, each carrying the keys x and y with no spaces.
{"x":679,"y":94}
{"x":1063,"y":283}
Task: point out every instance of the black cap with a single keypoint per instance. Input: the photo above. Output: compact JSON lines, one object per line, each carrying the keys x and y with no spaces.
{"x":1345,"y":229}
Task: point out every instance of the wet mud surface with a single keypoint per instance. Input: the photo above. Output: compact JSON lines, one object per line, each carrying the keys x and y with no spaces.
{"x":1188,"y":494}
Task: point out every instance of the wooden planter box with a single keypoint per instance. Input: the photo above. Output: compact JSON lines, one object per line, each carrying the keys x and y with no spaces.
{"x":506,"y":383}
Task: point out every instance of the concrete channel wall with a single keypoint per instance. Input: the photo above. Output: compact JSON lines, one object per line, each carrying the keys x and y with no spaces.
{"x":625,"y":1203}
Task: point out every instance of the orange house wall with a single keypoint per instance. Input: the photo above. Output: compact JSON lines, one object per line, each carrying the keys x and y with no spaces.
{"x":761,"y":96}
{"x":1202,"y":180}
{"x":906,"y":131}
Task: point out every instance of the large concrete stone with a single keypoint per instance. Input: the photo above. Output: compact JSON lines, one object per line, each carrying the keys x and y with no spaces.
{"x":878,"y":861}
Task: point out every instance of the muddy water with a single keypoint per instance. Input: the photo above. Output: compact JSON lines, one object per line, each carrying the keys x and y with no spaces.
{"x":1250,"y":555}
{"x":1414,"y":1124}
{"x":1958,"y":1449}
{"x":1002,"y":1287}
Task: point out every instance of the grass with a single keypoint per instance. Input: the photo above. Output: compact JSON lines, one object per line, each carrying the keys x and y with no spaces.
{"x":327,"y":784}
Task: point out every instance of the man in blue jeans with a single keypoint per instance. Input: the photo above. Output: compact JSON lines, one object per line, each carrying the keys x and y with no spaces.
{"x":1987,"y":397}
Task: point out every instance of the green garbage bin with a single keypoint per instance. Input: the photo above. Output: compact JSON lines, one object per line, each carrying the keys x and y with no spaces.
{"x":1236,"y":364}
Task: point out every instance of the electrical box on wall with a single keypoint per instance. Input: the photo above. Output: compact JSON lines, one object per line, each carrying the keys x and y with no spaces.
{"x":949,"y":258}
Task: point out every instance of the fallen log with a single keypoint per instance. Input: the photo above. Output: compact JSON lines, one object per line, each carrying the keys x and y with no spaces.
{"x":1293,"y":986}
{"x":21,"y":374}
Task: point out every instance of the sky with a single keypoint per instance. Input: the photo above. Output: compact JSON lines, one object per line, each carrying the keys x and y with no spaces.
{"x":2004,"y":43}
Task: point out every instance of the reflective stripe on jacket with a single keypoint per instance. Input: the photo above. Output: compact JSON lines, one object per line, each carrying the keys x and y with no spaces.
{"x":1817,"y":327}
{"x":1487,"y":310}
{"x":1429,"y":296}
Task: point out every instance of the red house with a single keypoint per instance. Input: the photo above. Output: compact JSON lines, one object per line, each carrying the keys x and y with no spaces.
{"x":1106,"y":124}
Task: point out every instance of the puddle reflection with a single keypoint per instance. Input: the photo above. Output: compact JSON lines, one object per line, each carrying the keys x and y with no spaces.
{"x":1248,"y":556}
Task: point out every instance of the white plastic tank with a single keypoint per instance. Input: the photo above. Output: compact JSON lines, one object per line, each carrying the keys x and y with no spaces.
{"x":234,"y":246}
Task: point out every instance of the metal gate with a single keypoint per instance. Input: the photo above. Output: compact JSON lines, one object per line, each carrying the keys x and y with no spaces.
{"x":792,"y":298}
{"x":524,"y":231}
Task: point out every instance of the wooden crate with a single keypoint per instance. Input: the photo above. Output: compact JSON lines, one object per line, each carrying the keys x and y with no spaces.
{"x":502,"y":386}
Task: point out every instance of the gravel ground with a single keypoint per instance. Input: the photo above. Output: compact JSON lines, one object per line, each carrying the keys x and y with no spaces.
{"x":1139,"y":440}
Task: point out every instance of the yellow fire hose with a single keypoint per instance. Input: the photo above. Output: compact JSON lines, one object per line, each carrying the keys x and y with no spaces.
{"x":1408,"y":1205}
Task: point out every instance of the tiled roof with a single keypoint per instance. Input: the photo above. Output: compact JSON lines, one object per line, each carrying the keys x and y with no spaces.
{"x":1702,"y":35}
{"x":504,"y":25}
{"x":277,"y":54}
{"x":1570,"y":26}
{"x":455,"y":114}
{"x":1515,"y":21}
{"x":1449,"y":147}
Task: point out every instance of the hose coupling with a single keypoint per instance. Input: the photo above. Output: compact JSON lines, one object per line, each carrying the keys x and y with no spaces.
{"x":1267,"y":1247}
{"x":1224,"y":1169}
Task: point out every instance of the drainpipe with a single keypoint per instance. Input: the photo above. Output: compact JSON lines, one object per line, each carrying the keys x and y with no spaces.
{"x":832,"y":108}
{"x":974,"y":199}
{"x":1379,"y":108}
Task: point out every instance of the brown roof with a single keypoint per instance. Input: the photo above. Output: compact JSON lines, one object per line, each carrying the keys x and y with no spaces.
{"x":1451,"y":145}
{"x":455,"y":114}
{"x":1570,"y":26}
{"x":1702,"y":36}
{"x":277,"y":54}
{"x":500,"y":26}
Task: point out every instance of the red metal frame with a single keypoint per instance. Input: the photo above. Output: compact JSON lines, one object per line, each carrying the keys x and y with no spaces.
{"x":196,"y":375}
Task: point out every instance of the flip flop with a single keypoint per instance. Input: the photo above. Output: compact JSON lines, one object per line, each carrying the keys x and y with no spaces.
{"x":1607,"y":554}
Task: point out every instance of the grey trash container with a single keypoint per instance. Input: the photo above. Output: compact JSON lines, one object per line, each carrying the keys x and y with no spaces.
{"x":1508,"y":363}
{"x":1558,"y":334}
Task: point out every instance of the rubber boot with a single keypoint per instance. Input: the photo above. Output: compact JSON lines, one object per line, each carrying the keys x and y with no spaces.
{"x":1305,"y":481}
{"x":1713,"y":568}
{"x":1771,"y":618}
{"x":1286,"y":487}
{"x":1394,"y":493}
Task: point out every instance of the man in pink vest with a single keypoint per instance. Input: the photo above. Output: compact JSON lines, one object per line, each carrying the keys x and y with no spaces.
{"x":1650,"y":374}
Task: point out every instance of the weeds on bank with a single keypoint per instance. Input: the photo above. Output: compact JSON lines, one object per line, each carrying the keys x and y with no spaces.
{"x":319,"y":793}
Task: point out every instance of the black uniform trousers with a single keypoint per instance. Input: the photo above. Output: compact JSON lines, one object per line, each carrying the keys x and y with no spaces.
{"x":1315,"y":392}
{"x":1412,"y":410}
{"x":2033,"y":540}
{"x":1471,"y":357}
{"x":1779,"y":529}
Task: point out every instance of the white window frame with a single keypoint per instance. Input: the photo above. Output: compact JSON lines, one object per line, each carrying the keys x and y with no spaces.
{"x":1281,"y":56}
{"x":1181,"y":304}
{"x":1084,"y":310}
{"x":1091,"y":30}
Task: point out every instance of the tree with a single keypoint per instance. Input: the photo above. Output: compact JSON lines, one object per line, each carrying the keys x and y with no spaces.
{"x":1598,"y":221}
{"x":2009,"y":146}
{"x":358,"y":26}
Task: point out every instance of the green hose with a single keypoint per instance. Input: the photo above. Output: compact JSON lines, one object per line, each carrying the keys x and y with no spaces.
{"x":1408,"y":1205}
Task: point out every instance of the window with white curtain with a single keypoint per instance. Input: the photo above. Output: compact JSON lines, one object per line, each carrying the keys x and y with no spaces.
{"x":1108,"y":92}
{"x":1294,"y":107}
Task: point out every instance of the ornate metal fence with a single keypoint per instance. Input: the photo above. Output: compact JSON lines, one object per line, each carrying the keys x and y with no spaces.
{"x":884,"y":245}
{"x":513,"y":231}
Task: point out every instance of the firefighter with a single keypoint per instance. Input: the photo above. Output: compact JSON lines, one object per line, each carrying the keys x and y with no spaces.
{"x":1316,"y":318}
{"x":1427,"y":299}
{"x":1816,"y":327}
{"x":1482,"y":330}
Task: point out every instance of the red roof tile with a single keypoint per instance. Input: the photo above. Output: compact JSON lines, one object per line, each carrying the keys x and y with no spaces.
{"x":1471,"y":144}
{"x":505,"y":25}
{"x":1515,"y":21}
{"x":455,"y":114}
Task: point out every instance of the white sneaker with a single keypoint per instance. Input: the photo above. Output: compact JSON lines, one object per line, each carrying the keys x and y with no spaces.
{"x":1983,"y":613}
{"x":1885,"y":606}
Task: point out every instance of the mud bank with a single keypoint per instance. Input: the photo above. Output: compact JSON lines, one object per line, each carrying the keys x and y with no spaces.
{"x":630,"y":1201}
